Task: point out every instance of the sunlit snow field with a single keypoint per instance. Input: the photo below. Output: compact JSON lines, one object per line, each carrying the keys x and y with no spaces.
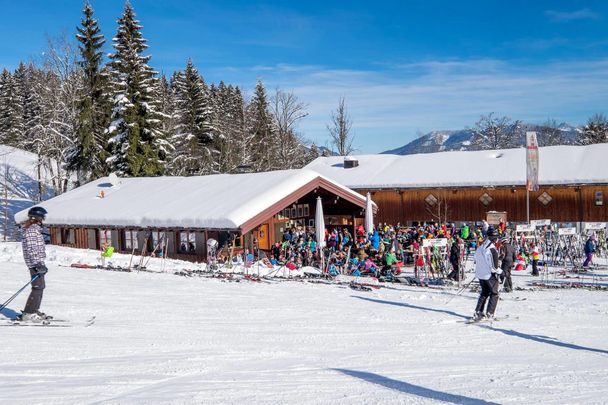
{"x":161,"y":338}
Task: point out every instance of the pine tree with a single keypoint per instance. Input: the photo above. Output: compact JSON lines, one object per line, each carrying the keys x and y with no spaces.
{"x":221,"y":101}
{"x":209,"y":129}
{"x":194,"y":131}
{"x":313,"y":152}
{"x":260,"y":126}
{"x":239,"y":152}
{"x":134,"y":131}
{"x":11,"y":116}
{"x":88,"y":154}
{"x":166,"y":109}
{"x":21,"y":93}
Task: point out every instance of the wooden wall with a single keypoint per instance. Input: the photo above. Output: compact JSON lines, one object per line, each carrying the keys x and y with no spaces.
{"x":568,"y":204}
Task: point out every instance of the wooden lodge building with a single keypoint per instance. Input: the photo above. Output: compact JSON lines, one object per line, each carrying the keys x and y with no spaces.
{"x":463,"y":186}
{"x":177,"y":215}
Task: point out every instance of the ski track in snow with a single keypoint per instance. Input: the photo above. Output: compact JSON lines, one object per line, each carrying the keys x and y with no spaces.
{"x":159,"y":338}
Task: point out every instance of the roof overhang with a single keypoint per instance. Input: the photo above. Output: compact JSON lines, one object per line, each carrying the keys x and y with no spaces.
{"x":321,"y":182}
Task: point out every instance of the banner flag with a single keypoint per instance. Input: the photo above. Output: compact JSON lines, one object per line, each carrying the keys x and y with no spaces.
{"x":531,"y":161}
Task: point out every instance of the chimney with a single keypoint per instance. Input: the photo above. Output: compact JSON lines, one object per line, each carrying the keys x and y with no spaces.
{"x":350,"y":162}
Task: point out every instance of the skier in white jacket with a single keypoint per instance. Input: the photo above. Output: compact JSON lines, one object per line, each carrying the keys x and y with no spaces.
{"x":487,"y":271}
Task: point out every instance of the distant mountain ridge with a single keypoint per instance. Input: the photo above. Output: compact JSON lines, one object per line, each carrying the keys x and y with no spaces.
{"x":463,"y":139}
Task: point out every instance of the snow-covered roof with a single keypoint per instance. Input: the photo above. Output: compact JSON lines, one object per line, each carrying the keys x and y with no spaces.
{"x":223,"y":201}
{"x":558,"y":165}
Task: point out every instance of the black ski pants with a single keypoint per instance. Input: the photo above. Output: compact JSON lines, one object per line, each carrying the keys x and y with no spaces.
{"x":505,"y":277}
{"x":535,"y":268}
{"x":454,"y":275}
{"x":35,"y":299}
{"x":489,"y":290}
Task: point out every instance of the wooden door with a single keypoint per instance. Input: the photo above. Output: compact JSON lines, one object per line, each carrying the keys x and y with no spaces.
{"x":263,"y":237}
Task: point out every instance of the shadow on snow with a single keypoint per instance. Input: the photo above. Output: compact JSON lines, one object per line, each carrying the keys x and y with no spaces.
{"x":543,"y":339}
{"x":509,"y":332}
{"x":406,"y":305}
{"x":411,"y":388}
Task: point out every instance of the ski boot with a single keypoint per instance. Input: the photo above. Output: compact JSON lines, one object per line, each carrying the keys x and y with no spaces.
{"x":32,"y":318}
{"x":478,"y":317}
{"x":44,"y":316}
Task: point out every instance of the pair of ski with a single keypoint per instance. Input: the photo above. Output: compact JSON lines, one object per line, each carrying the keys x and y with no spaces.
{"x":49,"y":323}
{"x":487,"y":321}
{"x":360,"y":287}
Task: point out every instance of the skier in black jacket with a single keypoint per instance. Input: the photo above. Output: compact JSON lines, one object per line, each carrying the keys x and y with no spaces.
{"x":455,"y":259}
{"x":508,"y":256}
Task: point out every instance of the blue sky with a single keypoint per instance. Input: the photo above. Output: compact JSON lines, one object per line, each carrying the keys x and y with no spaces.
{"x":404,"y":67}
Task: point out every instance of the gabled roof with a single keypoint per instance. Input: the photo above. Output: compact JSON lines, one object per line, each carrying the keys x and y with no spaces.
{"x":558,"y":165}
{"x":223,"y":201}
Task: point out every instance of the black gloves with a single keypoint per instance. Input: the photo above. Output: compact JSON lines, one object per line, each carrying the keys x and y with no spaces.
{"x":40,"y":269}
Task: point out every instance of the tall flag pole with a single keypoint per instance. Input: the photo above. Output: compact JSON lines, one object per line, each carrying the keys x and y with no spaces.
{"x":531,"y":168}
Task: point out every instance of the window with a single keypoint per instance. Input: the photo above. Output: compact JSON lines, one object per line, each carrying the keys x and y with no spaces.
{"x":158,"y":242}
{"x":187,"y":242}
{"x":545,"y":198}
{"x":131,"y":240}
{"x":306,"y":210}
{"x":67,"y":236}
{"x":485,"y":199}
{"x":105,"y":237}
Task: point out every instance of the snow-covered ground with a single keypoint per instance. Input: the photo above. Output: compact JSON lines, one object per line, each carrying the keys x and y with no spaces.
{"x":161,"y":338}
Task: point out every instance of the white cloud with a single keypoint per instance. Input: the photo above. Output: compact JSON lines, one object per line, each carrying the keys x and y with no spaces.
{"x":564,"y":16}
{"x":388,"y":106}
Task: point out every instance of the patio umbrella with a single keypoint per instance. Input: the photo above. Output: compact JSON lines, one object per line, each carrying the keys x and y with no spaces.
{"x":369,"y":215}
{"x":320,"y":229}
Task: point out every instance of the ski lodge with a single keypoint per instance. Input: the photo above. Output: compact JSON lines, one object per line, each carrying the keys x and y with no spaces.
{"x":176,"y":216}
{"x":466,"y":185}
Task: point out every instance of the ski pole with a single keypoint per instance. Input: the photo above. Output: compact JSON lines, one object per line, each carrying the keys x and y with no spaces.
{"x":460,"y":291}
{"x":17,"y":293}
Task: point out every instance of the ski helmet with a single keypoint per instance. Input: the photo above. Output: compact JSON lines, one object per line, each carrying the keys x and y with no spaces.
{"x":492,"y":234}
{"x":38,"y":213}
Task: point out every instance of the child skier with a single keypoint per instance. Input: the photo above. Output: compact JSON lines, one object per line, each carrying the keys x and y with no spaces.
{"x":34,"y":255}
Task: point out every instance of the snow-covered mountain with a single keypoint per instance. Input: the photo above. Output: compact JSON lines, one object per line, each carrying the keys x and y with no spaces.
{"x":463,"y":139}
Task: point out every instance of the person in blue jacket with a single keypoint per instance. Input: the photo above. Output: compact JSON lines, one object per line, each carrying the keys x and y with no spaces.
{"x":589,"y":249}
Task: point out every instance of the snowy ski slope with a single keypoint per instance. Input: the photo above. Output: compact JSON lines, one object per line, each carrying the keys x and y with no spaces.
{"x":161,"y":338}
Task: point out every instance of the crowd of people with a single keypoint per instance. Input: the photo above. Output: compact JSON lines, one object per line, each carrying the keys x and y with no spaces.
{"x":429,"y":247}
{"x":436,"y":251}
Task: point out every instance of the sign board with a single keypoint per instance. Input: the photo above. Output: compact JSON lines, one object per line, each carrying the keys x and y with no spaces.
{"x":494,"y":217}
{"x":594,"y":226}
{"x":566,"y":231}
{"x":540,"y":222}
{"x":441,"y":242}
{"x":525,"y":228}
{"x":531,"y":161}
